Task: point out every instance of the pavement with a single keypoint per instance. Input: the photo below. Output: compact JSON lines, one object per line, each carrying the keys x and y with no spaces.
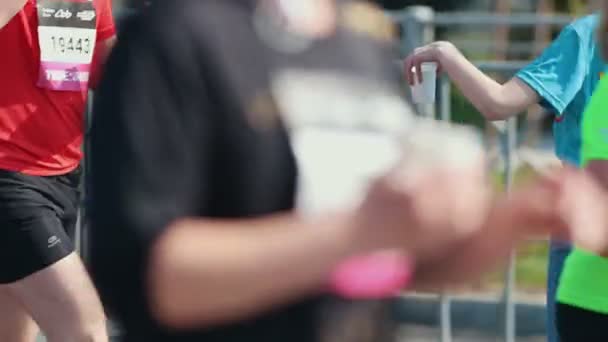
{"x":423,"y":333}
{"x":426,"y":333}
{"x":474,"y":319}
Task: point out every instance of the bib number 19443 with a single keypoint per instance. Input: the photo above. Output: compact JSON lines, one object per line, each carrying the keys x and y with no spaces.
{"x":67,"y":34}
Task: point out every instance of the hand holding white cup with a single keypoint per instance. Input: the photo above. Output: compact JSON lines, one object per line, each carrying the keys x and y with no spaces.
{"x":424,"y":93}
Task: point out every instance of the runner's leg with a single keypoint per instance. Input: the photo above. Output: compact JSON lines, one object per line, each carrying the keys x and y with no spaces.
{"x":38,"y":264}
{"x":63,"y":300}
{"x":15,"y":323}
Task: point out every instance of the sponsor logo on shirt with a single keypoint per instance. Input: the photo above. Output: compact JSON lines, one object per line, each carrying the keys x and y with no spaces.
{"x":53,"y":241}
{"x":86,"y":15}
{"x":63,"y":14}
{"x":48,"y":12}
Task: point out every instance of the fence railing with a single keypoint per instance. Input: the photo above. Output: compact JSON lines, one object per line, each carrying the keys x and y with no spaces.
{"x":418,"y":26}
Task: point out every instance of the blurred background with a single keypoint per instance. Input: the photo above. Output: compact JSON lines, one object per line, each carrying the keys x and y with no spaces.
{"x":501,"y":36}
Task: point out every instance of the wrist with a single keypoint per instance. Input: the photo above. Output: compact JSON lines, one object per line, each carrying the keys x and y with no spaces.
{"x":350,"y":239}
{"x":359,"y":236}
{"x":370,"y":267}
{"x":446,"y":53}
{"x":336,"y":232}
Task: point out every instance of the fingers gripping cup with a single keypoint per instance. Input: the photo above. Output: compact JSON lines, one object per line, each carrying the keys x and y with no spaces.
{"x":424,"y":93}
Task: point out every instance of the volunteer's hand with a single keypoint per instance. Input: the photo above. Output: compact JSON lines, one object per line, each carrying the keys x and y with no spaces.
{"x":435,"y":52}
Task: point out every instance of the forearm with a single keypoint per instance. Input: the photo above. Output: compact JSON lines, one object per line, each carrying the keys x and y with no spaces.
{"x":493,"y":242}
{"x":493,"y":100}
{"x":508,"y":223}
{"x":599,"y":170}
{"x":205,"y":272}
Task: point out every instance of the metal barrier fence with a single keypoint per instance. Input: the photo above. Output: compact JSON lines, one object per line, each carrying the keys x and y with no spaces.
{"x":418,"y":25}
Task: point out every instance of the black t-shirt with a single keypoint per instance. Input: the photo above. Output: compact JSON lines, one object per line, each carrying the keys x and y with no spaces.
{"x":200,"y":112}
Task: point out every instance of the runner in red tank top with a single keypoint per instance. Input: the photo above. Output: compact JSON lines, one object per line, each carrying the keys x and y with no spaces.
{"x":52,"y":51}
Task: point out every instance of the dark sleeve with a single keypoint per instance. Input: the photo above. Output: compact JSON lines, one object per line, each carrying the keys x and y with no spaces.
{"x":150,"y":145}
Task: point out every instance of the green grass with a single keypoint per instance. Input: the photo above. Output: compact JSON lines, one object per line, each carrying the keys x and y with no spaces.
{"x":532,"y":266}
{"x":530,"y":270}
{"x":532,"y":257}
{"x":521,"y":176}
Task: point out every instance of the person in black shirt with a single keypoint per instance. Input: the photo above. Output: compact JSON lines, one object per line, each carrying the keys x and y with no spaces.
{"x":224,"y":135}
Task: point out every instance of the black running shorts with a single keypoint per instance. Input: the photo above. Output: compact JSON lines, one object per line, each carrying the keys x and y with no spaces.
{"x":37,"y":222}
{"x":579,"y":325}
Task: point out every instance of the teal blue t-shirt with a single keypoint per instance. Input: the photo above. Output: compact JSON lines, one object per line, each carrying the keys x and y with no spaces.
{"x":565,"y":76}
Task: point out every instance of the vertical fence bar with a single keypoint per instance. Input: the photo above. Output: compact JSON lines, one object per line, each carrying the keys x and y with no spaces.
{"x":445,"y":98}
{"x":445,"y":310}
{"x":509,"y":310}
{"x":418,"y":30}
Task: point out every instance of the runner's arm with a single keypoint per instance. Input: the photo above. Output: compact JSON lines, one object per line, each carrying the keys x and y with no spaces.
{"x":106,"y":39}
{"x":595,"y":135}
{"x":8,"y":10}
{"x":584,"y":197}
{"x":199,"y":267}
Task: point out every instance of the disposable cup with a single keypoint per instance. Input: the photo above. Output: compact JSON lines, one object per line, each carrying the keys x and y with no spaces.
{"x":424,"y":93}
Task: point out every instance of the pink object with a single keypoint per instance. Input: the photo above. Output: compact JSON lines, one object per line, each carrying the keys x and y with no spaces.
{"x":372,"y":276}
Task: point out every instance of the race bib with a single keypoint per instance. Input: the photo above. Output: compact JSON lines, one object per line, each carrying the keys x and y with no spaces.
{"x":67,"y":34}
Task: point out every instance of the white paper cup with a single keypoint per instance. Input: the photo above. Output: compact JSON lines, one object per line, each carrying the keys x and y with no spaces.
{"x":424,"y":93}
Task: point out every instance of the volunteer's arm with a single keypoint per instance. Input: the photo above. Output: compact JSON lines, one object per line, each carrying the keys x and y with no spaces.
{"x":494,"y":100}
{"x":553,"y":79}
